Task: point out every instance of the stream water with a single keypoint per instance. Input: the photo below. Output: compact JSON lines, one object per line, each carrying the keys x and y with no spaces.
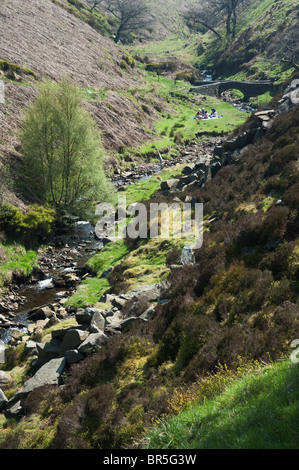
{"x":71,"y":249}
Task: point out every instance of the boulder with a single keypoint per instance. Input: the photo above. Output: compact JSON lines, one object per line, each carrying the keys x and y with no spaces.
{"x":48,"y":374}
{"x":128,"y":321}
{"x":30,"y":347}
{"x":187,"y":170}
{"x":5,"y":379}
{"x":14,"y":409}
{"x":3,"y":400}
{"x":48,"y":351}
{"x":169,"y":184}
{"x":187,"y":179}
{"x":72,"y":339}
{"x":97,"y":322}
{"x":40,"y":313}
{"x":73,"y":356}
{"x":149,"y":313}
{"x":119,"y":302}
{"x":83,"y":316}
{"x":93,"y":343}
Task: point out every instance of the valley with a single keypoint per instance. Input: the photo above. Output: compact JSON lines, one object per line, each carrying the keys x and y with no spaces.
{"x":138,"y":343}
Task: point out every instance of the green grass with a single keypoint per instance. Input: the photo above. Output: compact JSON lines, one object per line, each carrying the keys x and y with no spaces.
{"x":144,"y":189}
{"x":258,"y":411}
{"x":172,"y":45}
{"x":110,"y":255}
{"x":180,"y":120}
{"x":18,"y":261}
{"x":88,"y":293}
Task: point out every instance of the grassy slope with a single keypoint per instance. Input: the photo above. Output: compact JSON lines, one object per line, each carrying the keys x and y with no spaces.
{"x":257,"y":411}
{"x":258,"y":27}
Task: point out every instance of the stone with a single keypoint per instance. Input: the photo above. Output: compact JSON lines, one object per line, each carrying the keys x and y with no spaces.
{"x":149,"y":313}
{"x":119,"y":302}
{"x":187,"y":170}
{"x":187,"y":179}
{"x":83,"y":316}
{"x":72,"y":340}
{"x":128,"y":321}
{"x":215,"y":168}
{"x":30,"y":347}
{"x":73,"y":356}
{"x":14,"y":409}
{"x":48,"y":374}
{"x":3,"y":400}
{"x":93,"y":343}
{"x":97,"y":322}
{"x":169,"y":184}
{"x":59,"y":334}
{"x":48,"y":351}
{"x":5,"y":379}
{"x":16,"y":334}
{"x":40,"y":313}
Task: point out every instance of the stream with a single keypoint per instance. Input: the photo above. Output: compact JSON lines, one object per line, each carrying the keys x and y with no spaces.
{"x":73,"y":246}
{"x":70,"y":251}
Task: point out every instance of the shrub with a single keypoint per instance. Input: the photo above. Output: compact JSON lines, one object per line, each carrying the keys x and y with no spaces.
{"x":29,"y":227}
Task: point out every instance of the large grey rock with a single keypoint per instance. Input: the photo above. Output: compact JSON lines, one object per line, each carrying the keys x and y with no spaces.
{"x":83,"y":316}
{"x":5,"y":379}
{"x":169,"y":184}
{"x":93,"y":343}
{"x":128,"y":321}
{"x":114,"y":321}
{"x":73,"y":356}
{"x":120,"y":301}
{"x":148,"y":293}
{"x":14,"y":409}
{"x":30,"y":347}
{"x":187,"y":170}
{"x":72,"y":340}
{"x":3,"y":400}
{"x":97,"y":322}
{"x":48,"y":374}
{"x":40,"y":313}
{"x":149,"y":313}
{"x":48,"y":351}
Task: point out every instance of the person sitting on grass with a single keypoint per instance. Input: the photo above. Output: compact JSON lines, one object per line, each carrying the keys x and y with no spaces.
{"x":199,"y":114}
{"x":213,"y":113}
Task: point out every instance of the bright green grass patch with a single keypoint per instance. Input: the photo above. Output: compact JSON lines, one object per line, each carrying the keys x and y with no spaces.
{"x":18,"y":261}
{"x":259,"y":411}
{"x":88,"y":293}
{"x":110,"y":255}
{"x":175,"y":127}
{"x":144,"y":189}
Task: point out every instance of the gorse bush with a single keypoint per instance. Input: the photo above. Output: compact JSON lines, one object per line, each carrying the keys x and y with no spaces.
{"x":29,"y":227}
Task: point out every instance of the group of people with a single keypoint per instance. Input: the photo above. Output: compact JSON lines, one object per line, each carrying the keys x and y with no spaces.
{"x":203,"y":114}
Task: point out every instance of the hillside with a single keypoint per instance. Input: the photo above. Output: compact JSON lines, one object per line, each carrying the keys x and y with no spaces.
{"x":142,"y":342}
{"x":42,"y":40}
